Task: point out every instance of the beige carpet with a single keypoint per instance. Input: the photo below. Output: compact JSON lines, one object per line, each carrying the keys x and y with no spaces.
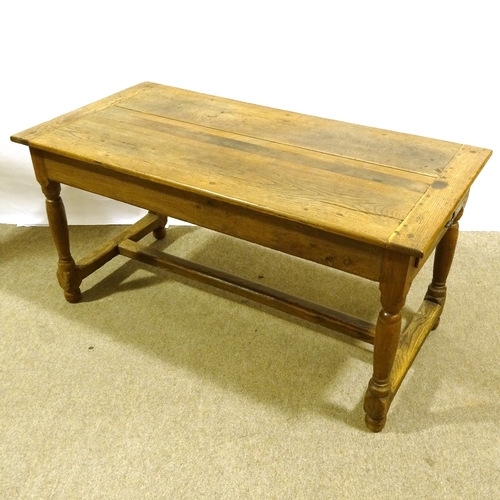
{"x":155,"y":387}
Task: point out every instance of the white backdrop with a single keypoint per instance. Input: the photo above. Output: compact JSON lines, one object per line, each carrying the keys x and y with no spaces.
{"x":428,"y":68}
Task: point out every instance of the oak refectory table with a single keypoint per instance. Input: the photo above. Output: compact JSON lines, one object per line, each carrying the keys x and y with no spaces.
{"x":366,"y":201}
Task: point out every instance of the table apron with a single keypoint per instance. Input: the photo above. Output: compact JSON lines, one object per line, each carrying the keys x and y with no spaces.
{"x":272,"y":231}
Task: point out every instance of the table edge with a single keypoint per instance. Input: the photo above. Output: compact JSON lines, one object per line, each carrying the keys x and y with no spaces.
{"x":25,"y":136}
{"x":440,"y":203}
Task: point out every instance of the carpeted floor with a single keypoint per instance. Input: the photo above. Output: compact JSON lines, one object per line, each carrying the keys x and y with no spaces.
{"x":155,"y":387}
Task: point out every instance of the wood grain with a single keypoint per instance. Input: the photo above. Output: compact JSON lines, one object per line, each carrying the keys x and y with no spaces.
{"x":426,"y":222}
{"x":27,"y":135}
{"x":412,"y":340}
{"x":394,"y":149}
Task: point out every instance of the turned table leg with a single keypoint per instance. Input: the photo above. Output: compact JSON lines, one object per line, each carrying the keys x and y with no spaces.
{"x":443,"y":259}
{"x":394,"y":285}
{"x":68,"y":274}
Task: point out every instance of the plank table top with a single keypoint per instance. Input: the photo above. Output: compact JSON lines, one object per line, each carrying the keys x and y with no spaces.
{"x":382,"y":187}
{"x":367,"y":201}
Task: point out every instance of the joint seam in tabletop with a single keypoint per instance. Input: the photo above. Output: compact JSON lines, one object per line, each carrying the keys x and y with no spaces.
{"x":245,"y":113}
{"x":280,"y":143}
{"x":249,"y":147}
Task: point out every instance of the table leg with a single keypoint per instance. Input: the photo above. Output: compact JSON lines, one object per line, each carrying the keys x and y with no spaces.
{"x":160,"y":232}
{"x":443,"y":259}
{"x":394,"y":285}
{"x":68,"y":274}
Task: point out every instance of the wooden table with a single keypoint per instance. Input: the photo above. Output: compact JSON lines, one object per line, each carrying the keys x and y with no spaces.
{"x":366,"y":201}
